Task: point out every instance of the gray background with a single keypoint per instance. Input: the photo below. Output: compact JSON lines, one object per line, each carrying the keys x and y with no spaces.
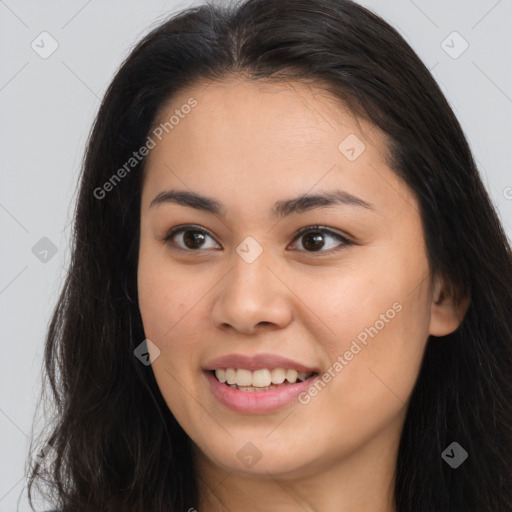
{"x":47,"y":108}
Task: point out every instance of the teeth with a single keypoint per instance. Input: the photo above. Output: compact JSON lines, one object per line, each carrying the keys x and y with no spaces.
{"x":230,"y":376}
{"x":278,"y":375}
{"x":243,"y":378}
{"x":263,"y":379}
{"x":303,"y":375}
{"x":291,"y":375}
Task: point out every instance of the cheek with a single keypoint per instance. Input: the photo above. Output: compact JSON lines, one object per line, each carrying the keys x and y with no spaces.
{"x":378,"y":317}
{"x":381,"y":351}
{"x":166,"y":292}
{"x":166,"y":303}
{"x":368,"y":382}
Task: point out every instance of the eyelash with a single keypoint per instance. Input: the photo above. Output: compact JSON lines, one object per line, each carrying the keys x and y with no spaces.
{"x":313,"y":228}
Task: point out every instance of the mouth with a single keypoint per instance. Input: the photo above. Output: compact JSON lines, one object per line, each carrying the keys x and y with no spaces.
{"x":263,"y":379}
{"x":261,"y":391}
{"x":258,"y":384}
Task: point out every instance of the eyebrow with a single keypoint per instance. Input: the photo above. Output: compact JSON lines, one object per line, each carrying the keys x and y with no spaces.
{"x":280,"y":209}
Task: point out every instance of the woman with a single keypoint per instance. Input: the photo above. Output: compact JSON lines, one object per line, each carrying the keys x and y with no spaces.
{"x":289,"y":289}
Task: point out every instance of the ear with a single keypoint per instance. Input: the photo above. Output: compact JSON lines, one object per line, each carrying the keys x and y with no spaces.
{"x":446,"y":313}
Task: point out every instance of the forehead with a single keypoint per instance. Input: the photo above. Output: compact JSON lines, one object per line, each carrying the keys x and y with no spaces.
{"x":266,"y":136}
{"x":273,"y":110}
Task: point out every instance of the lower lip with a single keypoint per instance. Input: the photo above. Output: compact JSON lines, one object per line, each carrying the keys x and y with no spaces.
{"x":257,"y":402}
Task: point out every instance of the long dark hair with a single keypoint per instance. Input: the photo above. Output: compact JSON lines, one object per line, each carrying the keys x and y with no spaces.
{"x":117,"y":445}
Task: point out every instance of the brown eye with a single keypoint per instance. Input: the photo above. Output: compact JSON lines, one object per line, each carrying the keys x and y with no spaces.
{"x":188,"y":238}
{"x":313,"y":241}
{"x":193,"y":239}
{"x":316,"y":238}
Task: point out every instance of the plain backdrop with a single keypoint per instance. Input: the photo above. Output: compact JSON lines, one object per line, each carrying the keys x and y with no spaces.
{"x":48,"y":102}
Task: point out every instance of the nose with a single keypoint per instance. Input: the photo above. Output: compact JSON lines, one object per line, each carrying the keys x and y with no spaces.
{"x":252,"y":297}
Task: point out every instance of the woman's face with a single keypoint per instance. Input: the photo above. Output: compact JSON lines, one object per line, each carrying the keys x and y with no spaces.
{"x":240,"y":291}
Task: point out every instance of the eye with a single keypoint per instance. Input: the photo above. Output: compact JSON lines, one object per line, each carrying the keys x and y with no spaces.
{"x":313,"y":239}
{"x":192,"y":238}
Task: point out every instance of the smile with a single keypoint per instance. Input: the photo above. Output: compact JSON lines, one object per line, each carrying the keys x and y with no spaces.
{"x":263,"y":379}
{"x":257,"y":383}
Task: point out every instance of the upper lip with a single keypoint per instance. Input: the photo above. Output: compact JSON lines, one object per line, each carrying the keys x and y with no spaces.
{"x":257,"y":362}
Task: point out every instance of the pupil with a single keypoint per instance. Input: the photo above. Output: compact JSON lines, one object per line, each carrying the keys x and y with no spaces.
{"x":315,"y":238}
{"x":190,"y":240}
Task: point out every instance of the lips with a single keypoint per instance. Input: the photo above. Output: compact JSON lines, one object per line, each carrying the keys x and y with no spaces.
{"x":250,"y":399}
{"x":257,"y":362}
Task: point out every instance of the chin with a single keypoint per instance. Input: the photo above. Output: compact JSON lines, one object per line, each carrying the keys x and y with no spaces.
{"x":261,"y":457}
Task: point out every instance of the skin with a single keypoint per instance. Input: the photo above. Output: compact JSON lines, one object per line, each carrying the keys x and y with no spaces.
{"x":248,"y":144}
